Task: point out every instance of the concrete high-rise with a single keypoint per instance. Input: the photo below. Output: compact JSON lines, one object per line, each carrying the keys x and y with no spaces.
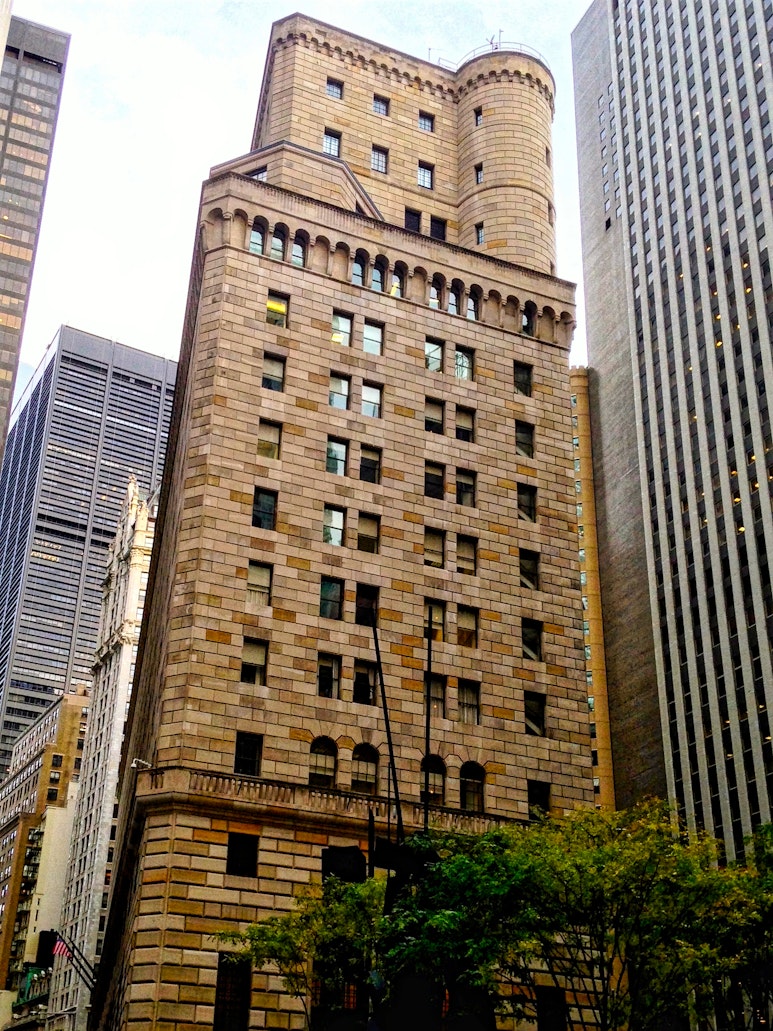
{"x":372,"y":417}
{"x":93,"y":413}
{"x":676,"y":152}
{"x":30,"y":91}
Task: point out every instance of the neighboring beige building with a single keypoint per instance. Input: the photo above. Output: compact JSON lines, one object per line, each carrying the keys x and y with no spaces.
{"x":372,"y":412}
{"x":83,"y":900}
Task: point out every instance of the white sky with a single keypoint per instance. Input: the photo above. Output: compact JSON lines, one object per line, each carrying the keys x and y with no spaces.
{"x":158,"y":91}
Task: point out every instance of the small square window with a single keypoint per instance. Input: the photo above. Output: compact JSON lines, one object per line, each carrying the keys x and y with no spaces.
{"x":464,"y":363}
{"x":426,"y":176}
{"x":52,"y":794}
{"x":467,"y":627}
{"x":371,"y":400}
{"x":437,"y":228}
{"x":469,"y":701}
{"x":478,"y":115}
{"x":534,"y":710}
{"x":379,"y":159}
{"x":366,"y":604}
{"x":269,"y":439}
{"x":434,"y":547}
{"x":380,"y":105}
{"x":273,"y":372}
{"x":435,"y":616}
{"x":529,"y":568}
{"x":426,"y":121}
{"x":465,"y":424}
{"x":338,"y":395}
{"x":335,"y":89}
{"x":437,"y":697}
{"x":264,"y":509}
{"x":480,"y":235}
{"x":328,"y":676}
{"x":368,"y":533}
{"x":56,"y":761}
{"x":531,"y":639}
{"x":466,"y":555}
{"x":370,"y":464}
{"x":54,"y":777}
{"x":479,"y":174}
{"x":331,"y":143}
{"x":276,"y":309}
{"x":342,"y":329}
{"x":254,"y":660}
{"x":434,"y":481}
{"x":259,"y":576}
{"x":336,"y":457}
{"x":331,"y":598}
{"x":248,"y":754}
{"x":522,"y":378}
{"x":527,"y":502}
{"x":524,"y":439}
{"x":434,"y":412}
{"x":364,"y":686}
{"x":465,"y":488}
{"x":333,"y":520}
{"x":242,"y":855}
{"x":413,"y":220}
{"x":372,"y":338}
{"x":433,"y":354}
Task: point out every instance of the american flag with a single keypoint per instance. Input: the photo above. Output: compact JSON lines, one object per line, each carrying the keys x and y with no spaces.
{"x":60,"y":949}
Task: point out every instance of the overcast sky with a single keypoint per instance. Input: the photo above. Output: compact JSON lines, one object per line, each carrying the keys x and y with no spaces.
{"x":158,"y":91}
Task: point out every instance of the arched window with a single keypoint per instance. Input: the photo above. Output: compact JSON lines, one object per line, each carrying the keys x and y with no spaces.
{"x":358,"y":268}
{"x":257,"y":238}
{"x":436,"y":292}
{"x":473,"y":305}
{"x":299,"y":251}
{"x":278,"y":243}
{"x":454,"y":300}
{"x":529,"y":319}
{"x":377,"y":279}
{"x":398,"y":283}
{"x":471,"y":780}
{"x":365,"y":770}
{"x":322,"y":763}
{"x":437,"y":779}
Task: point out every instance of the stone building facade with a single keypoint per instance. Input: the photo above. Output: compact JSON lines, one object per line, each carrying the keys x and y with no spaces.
{"x":372,"y":413}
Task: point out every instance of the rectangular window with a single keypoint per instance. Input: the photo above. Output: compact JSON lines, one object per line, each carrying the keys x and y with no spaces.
{"x":425,"y":176}
{"x":366,"y":604}
{"x":269,"y":439}
{"x":379,"y":159}
{"x":342,"y":329}
{"x":273,"y":372}
{"x":334,"y":89}
{"x":328,"y":676}
{"x":469,"y":701}
{"x":464,"y":363}
{"x":437,"y":697}
{"x":331,"y":143}
{"x":331,"y":598}
{"x":413,"y":220}
{"x":479,"y":174}
{"x":276,"y":309}
{"x":233,"y":991}
{"x":465,"y":424}
{"x":435,"y":612}
{"x":466,"y":555}
{"x":336,"y":456}
{"x":57,"y":761}
{"x":529,"y":568}
{"x":370,"y":464}
{"x":434,"y":412}
{"x":434,"y":547}
{"x":364,"y":686}
{"x":242,"y":855}
{"x":426,"y":121}
{"x":534,"y":711}
{"x":433,"y":354}
{"x":260,"y":175}
{"x":371,"y":400}
{"x":538,"y":795}
{"x":480,"y":235}
{"x":368,"y":533}
{"x":380,"y":105}
{"x":478,"y":115}
{"x":467,"y":627}
{"x":264,"y":509}
{"x":259,"y":576}
{"x":465,"y":488}
{"x":437,"y":228}
{"x":434,"y":480}
{"x":338,"y":396}
{"x":527,"y":502}
{"x":531,"y":639}
{"x":372,"y":338}
{"x":522,"y":378}
{"x":524,"y":439}
{"x":248,"y":754}
{"x":333,"y":525}
{"x":254,"y":659}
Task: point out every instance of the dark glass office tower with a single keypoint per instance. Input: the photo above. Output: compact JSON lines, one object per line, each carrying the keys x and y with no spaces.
{"x":30,"y":89}
{"x":94,"y":412}
{"x":675,"y":155}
